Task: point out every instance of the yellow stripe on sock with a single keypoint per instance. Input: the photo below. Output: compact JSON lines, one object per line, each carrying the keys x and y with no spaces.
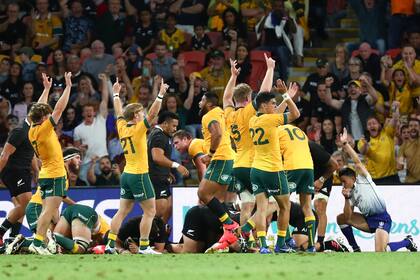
{"x":112,"y":236}
{"x":281,"y":233}
{"x":39,"y":237}
{"x":223,"y":218}
{"x":261,"y":233}
{"x":144,"y":243}
{"x":75,"y":248}
{"x":309,"y":219}
{"x":251,"y":223}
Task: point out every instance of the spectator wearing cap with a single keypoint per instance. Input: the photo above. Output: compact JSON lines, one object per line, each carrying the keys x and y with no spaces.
{"x":372,"y":19}
{"x":355,"y":109}
{"x":195,"y":93}
{"x":28,"y":66}
{"x":217,"y":74}
{"x":274,"y":31}
{"x":21,"y":108}
{"x":99,"y":61}
{"x":110,"y":23}
{"x":370,"y":61}
{"x":402,"y":18}
{"x":310,"y":87}
{"x":11,"y":88}
{"x":190,"y":13}
{"x":162,"y":64}
{"x":47,"y":30}
{"x":379,"y":151}
{"x":409,"y":153}
{"x":12,"y":31}
{"x":77,"y":27}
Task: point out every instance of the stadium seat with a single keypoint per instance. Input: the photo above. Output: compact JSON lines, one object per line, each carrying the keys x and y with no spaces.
{"x":356,"y":52}
{"x":259,"y":68}
{"x":393,"y":53}
{"x":194,"y":61}
{"x":216,"y":38}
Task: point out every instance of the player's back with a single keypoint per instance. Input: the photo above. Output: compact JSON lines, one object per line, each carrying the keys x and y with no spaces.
{"x":45,"y":142}
{"x":365,"y":196}
{"x":294,"y":148}
{"x":238,"y":123}
{"x":224,"y":150}
{"x":134,"y":143}
{"x":264,"y":134}
{"x":197,"y":148}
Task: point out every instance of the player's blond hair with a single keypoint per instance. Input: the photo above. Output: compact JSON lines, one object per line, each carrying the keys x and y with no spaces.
{"x":38,"y":111}
{"x":242,"y":92}
{"x":131,"y":109}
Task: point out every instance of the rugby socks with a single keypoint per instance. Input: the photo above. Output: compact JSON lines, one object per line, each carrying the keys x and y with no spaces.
{"x":26,"y":243}
{"x":395,"y":246}
{"x":288,"y":236}
{"x":310,"y":225}
{"x":39,"y":240}
{"x":111,"y":240}
{"x":217,"y":208}
{"x":144,"y":243}
{"x":15,"y":229}
{"x":5,"y":227}
{"x":261,"y":236}
{"x":348,"y":233}
{"x":248,"y":227}
{"x":66,"y":243}
{"x":281,"y":238}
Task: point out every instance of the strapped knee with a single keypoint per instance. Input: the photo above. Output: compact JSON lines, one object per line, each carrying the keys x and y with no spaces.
{"x":82,"y":243}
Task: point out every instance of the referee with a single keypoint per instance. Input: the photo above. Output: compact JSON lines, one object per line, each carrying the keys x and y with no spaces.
{"x":159,"y":149}
{"x":15,"y":167}
{"x":324,"y":167}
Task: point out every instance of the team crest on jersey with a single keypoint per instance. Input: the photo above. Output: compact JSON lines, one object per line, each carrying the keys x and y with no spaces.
{"x":224,"y":177}
{"x":254,"y":187}
{"x":292,"y":186}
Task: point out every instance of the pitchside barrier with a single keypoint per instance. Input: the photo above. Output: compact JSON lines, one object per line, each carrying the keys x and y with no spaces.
{"x":403,"y":204}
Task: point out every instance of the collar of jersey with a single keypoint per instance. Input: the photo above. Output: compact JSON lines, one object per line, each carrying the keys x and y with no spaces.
{"x":259,"y":114}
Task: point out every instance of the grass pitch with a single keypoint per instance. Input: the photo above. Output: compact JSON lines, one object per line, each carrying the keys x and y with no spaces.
{"x":227,"y":266}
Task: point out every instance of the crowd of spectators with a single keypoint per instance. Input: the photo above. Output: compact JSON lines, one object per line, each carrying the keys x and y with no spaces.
{"x":372,"y":87}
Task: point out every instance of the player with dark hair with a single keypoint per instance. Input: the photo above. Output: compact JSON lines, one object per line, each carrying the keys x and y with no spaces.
{"x":267,"y":175}
{"x":360,"y":191}
{"x":239,"y":109}
{"x":132,"y":127}
{"x":159,"y":149}
{"x":324,"y":167}
{"x":16,"y":161}
{"x":52,"y":176}
{"x":219,"y":160}
{"x":129,"y":235}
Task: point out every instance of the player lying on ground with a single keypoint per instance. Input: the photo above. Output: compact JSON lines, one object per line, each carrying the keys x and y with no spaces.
{"x":77,"y":227}
{"x":129,"y":236}
{"x":360,"y":191}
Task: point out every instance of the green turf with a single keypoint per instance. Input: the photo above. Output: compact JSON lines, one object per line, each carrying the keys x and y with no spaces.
{"x":227,"y":266}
